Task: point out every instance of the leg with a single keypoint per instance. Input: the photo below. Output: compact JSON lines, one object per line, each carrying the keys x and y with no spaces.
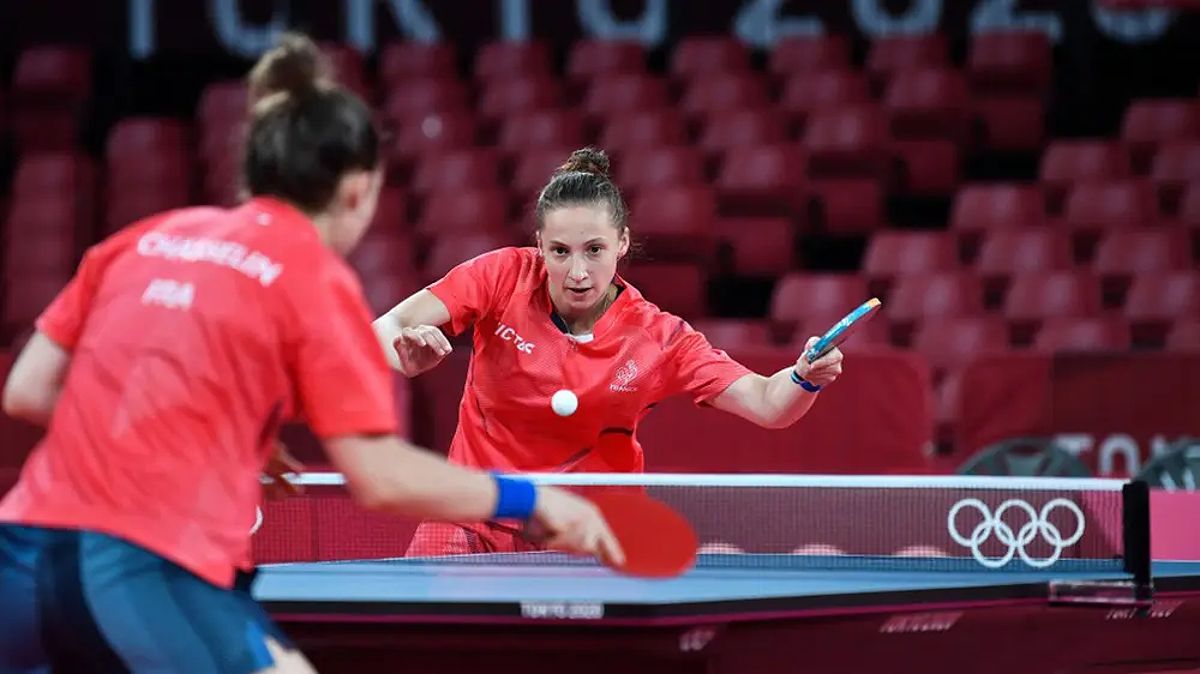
{"x":21,"y":647}
{"x":287,"y":660}
{"x":159,"y":617}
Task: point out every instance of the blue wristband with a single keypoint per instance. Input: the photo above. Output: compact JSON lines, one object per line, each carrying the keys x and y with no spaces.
{"x":516,"y":498}
{"x":804,"y":383}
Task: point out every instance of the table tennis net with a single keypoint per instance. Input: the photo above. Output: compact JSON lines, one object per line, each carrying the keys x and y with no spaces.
{"x":937,"y":523}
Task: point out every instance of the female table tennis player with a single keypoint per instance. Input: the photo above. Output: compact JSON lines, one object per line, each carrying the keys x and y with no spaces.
{"x":557,"y":317}
{"x":163,"y":371}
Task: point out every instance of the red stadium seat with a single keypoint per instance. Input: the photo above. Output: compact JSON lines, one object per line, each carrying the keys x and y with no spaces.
{"x":806,"y":92}
{"x":1038,"y":296}
{"x":452,"y":249}
{"x":799,"y":295}
{"x":506,"y":59}
{"x":927,"y":103}
{"x":950,"y":342}
{"x":134,"y":137}
{"x":1093,"y":207}
{"x":1066,"y":162}
{"x":1184,"y":335}
{"x":391,"y":214}
{"x":680,"y":288}
{"x":762,"y":180}
{"x":34,"y":215}
{"x":533,"y":170}
{"x":590,"y":59}
{"x":44,"y":252}
{"x":894,"y":53}
{"x":463,"y":212}
{"x":222,"y":103}
{"x":1174,"y":166}
{"x":58,"y":173}
{"x":1131,"y":252}
{"x":928,"y":167}
{"x":723,"y":132}
{"x":382,"y":254}
{"x":545,"y":128}
{"x":1189,"y":206}
{"x":1163,"y":297}
{"x":421,"y":97}
{"x":614,"y":96}
{"x":794,"y":55}
{"x":403,"y":61}
{"x":1150,"y":122}
{"x":58,"y":74}
{"x":1009,"y":252}
{"x":165,"y":170}
{"x":1109,"y":333}
{"x":849,"y":141}
{"x":676,"y":223}
{"x":723,"y":92}
{"x":1009,"y":123}
{"x":851,"y":206}
{"x":506,"y":97}
{"x":456,"y":169}
{"x":432,"y":132}
{"x":25,"y":301}
{"x":1010,"y":62}
{"x":759,"y":247}
{"x":125,"y":207}
{"x":921,"y":296}
{"x":980,"y":208}
{"x":641,"y":130}
{"x":654,"y":167}
{"x":385,"y":290}
{"x":724,"y":333}
{"x":892,"y":254}
{"x":699,"y":57}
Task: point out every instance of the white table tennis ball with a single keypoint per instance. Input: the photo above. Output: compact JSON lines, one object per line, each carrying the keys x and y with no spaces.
{"x":564,"y":403}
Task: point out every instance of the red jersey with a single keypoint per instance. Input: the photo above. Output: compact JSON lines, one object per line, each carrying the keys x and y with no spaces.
{"x":637,"y":356}
{"x":193,"y":335}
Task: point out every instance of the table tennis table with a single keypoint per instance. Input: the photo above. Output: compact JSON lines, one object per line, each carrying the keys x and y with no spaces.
{"x":802,"y":574}
{"x":725,"y":615}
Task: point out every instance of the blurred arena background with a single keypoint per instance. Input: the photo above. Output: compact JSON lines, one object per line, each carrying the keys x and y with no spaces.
{"x":1019,"y":181}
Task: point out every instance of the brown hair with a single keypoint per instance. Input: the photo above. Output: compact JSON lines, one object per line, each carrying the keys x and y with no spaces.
{"x":305,"y":131}
{"x":583,"y":181}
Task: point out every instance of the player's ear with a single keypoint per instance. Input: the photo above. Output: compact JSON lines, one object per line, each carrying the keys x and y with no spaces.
{"x":623,"y":245}
{"x":356,"y":188}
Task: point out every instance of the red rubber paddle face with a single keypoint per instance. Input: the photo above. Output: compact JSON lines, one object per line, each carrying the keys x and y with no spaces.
{"x":658,"y":542}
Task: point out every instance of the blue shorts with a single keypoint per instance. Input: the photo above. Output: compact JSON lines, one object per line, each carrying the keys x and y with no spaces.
{"x":80,"y":601}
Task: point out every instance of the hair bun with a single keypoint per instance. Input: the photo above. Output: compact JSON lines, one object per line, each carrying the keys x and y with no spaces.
{"x":587,"y":160}
{"x":295,"y":66}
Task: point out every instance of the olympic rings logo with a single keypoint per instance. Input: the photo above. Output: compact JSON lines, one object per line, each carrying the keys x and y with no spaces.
{"x":994,"y":524}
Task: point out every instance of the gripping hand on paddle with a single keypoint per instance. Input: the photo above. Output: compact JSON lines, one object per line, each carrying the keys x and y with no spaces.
{"x":420,"y":348}
{"x":563,"y":521}
{"x":822,"y":371}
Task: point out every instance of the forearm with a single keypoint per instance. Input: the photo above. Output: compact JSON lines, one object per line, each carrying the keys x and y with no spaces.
{"x":784,"y":402}
{"x":387,"y":328}
{"x":390,"y":475}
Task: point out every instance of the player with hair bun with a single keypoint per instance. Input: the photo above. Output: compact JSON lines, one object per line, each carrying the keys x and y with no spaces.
{"x":163,"y":372}
{"x":568,"y":356}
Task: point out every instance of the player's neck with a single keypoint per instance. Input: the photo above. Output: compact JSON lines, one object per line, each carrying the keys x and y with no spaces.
{"x":586,"y":322}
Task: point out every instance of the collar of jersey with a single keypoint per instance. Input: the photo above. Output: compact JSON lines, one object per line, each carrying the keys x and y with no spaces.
{"x":280,"y":211}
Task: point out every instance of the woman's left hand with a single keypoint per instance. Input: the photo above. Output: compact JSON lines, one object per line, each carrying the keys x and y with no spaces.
{"x":824,"y":370}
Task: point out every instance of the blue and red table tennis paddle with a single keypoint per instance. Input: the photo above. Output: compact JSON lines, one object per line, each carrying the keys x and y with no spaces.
{"x":843,"y":329}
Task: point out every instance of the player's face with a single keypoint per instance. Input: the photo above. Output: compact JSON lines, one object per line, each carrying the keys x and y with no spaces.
{"x":581,"y":246}
{"x":354,"y":208}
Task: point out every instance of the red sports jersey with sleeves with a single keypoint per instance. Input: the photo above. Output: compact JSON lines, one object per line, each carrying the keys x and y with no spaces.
{"x":193,"y":335}
{"x":638,"y":356}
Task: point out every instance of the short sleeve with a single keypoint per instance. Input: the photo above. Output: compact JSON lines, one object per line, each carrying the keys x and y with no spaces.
{"x":475,"y":287}
{"x":342,"y":379}
{"x":697,"y":368}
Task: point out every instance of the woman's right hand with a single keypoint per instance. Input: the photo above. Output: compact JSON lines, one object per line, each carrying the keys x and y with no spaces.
{"x":573,"y":524}
{"x":420,"y":348}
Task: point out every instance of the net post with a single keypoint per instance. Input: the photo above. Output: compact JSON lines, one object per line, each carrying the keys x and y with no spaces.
{"x":1135,"y":526}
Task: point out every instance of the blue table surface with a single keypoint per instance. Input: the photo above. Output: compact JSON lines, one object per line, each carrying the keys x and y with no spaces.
{"x":486,"y":580}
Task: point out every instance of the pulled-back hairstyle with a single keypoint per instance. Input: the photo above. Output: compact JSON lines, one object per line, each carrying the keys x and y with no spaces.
{"x":583,"y":181}
{"x":305,"y":132}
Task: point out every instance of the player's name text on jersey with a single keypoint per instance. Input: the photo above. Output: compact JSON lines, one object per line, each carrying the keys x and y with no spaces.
{"x":214,"y":251}
{"x":509,"y":335}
